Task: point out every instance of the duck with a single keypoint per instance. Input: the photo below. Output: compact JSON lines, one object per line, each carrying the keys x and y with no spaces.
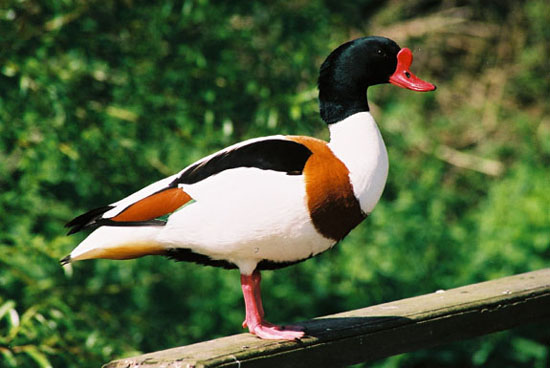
{"x":269,"y":202}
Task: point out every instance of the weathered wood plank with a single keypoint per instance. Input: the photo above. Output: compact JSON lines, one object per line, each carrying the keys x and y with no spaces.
{"x":376,"y":332}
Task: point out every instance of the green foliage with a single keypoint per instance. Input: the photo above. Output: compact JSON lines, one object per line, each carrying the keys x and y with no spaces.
{"x":99,"y":98}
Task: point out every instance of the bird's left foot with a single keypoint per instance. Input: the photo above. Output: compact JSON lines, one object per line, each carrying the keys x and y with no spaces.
{"x":283,"y":327}
{"x":266,"y":330}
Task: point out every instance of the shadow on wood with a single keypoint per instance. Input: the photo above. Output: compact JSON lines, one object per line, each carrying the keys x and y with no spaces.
{"x":375,"y":332}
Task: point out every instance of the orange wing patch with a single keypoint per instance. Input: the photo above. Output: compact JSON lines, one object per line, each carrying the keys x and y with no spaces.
{"x":332,"y":205}
{"x":156,"y":205}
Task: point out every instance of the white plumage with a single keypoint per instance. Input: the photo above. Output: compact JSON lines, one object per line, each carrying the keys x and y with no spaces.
{"x":245,"y":215}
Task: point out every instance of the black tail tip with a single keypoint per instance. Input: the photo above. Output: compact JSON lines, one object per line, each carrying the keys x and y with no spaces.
{"x":65,"y":260}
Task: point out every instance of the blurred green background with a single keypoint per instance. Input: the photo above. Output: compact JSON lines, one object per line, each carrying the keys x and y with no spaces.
{"x":99,"y":98}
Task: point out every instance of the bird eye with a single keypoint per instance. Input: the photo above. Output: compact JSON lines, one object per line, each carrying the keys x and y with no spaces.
{"x":407,"y":74}
{"x":379,"y":52}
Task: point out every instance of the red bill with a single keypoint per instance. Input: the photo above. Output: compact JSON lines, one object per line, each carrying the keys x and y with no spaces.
{"x":403,"y":77}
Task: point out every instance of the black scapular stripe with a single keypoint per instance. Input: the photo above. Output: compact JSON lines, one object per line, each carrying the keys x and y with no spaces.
{"x":273,"y":154}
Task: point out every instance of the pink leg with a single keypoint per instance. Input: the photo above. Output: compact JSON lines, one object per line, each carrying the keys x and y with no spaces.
{"x":255,"y":313}
{"x":256,"y":279}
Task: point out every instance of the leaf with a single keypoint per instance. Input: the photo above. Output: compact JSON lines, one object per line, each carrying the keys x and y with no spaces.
{"x":36,"y":355}
{"x":5,"y":308}
{"x":8,"y":359}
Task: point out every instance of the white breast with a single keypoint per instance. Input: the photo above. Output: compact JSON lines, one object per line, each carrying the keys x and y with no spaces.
{"x":357,"y":141}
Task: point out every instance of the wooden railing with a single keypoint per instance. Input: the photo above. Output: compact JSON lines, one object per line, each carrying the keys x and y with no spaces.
{"x":376,"y":332}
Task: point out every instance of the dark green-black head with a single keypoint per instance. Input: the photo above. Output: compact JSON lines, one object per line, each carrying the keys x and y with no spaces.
{"x":354,"y":66}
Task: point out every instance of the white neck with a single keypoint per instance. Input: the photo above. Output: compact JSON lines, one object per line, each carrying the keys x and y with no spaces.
{"x":357,"y":142}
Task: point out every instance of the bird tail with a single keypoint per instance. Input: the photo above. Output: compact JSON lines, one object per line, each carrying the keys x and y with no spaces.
{"x":118,"y":242}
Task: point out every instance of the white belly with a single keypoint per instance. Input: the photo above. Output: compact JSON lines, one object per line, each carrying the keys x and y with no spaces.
{"x":244,"y":216}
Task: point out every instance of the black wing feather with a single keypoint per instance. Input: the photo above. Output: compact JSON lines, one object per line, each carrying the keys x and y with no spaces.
{"x":87,"y":219}
{"x":271,"y":154}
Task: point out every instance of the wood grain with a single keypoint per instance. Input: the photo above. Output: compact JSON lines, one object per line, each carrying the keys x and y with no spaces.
{"x":376,"y":332}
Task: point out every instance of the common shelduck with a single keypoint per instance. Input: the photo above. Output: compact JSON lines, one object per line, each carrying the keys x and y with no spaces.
{"x":268,"y":202}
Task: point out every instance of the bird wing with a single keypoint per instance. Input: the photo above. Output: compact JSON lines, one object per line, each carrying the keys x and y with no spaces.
{"x":163,"y":197}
